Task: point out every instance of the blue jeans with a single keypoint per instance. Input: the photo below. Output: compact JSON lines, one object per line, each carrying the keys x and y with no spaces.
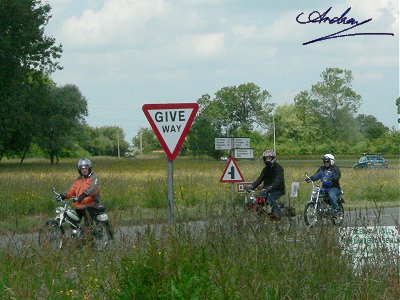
{"x":272,"y":197}
{"x":333,"y":195}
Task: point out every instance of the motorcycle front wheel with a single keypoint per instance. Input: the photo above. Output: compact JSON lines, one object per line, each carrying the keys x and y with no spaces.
{"x":51,"y":235}
{"x":310,"y":214}
{"x":102,"y":235}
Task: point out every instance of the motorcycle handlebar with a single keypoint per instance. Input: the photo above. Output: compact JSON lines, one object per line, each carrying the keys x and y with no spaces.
{"x":58,"y":196}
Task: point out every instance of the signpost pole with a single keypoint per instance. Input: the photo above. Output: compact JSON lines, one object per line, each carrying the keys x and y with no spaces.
{"x":170,"y":180}
{"x":233,"y":195}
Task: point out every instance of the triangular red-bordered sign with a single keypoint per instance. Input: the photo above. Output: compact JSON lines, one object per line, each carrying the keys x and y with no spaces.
{"x":171,"y":123}
{"x":232,"y":172}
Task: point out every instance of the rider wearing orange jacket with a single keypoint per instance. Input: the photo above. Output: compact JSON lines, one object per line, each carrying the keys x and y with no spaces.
{"x":86,"y":188}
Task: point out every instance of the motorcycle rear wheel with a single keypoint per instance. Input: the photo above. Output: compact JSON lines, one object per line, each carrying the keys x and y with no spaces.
{"x":51,"y":235}
{"x":310,"y":214}
{"x":102,"y":235}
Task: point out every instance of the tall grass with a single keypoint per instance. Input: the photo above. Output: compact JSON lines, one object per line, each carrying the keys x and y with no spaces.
{"x":233,"y":259}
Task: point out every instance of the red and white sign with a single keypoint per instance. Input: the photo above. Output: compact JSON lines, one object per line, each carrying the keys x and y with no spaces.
{"x":231,"y":172}
{"x":171,"y":123}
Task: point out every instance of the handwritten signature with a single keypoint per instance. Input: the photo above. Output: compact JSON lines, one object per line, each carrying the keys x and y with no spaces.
{"x":317,"y":17}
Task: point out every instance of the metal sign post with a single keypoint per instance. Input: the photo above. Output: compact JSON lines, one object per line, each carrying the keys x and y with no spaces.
{"x":170,"y":183}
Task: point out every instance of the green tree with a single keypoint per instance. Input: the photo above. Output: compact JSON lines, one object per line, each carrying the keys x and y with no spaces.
{"x":147,"y":139}
{"x":65,"y":112}
{"x":243,"y":107}
{"x":26,"y":54}
{"x":235,"y":111}
{"x":370,"y":127}
{"x":106,"y":140}
{"x":306,"y":112}
{"x":327,"y":111}
{"x":336,"y":102}
{"x":204,"y":129}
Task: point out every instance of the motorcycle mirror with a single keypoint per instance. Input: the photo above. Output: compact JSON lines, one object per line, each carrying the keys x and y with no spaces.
{"x":53,"y":189}
{"x":306,"y":173}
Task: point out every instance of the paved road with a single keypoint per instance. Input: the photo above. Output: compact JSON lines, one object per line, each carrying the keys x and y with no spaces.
{"x":129,"y":234}
{"x":389,"y":216}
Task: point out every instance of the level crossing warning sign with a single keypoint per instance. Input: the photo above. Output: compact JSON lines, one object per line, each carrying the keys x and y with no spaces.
{"x":231,"y":172}
{"x":171,"y":123}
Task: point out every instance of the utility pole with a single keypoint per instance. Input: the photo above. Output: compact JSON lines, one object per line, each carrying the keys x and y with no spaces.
{"x":118,"y":142}
{"x":273,"y":125}
{"x":141,"y":144}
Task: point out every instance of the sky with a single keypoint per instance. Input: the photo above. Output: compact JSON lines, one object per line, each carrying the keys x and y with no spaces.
{"x":123,"y":54}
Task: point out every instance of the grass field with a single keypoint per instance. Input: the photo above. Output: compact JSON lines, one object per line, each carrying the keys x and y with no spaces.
{"x":135,"y":191}
{"x":229,"y":259}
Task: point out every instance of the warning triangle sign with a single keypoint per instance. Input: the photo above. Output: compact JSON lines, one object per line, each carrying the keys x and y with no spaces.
{"x":171,"y":123}
{"x":231,"y":172}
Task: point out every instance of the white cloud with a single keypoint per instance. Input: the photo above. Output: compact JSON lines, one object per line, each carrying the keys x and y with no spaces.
{"x":377,"y":10}
{"x":378,"y":61}
{"x":244,"y":32}
{"x":201,"y":45}
{"x":116,"y":20}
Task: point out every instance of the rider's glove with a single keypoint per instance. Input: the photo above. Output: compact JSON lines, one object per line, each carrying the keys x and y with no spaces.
{"x":308,"y":180}
{"x":81,"y":197}
{"x":249,"y":189}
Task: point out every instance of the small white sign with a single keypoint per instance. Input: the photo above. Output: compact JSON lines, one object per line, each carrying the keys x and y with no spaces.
{"x":241,"y":142}
{"x":295,"y":189}
{"x":243,"y":186}
{"x":244,"y":153}
{"x":223,"y":143}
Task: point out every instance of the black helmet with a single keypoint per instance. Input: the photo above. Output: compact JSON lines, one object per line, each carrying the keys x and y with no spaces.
{"x":84,"y":162}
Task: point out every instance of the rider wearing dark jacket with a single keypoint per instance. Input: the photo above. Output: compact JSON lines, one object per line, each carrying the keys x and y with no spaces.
{"x":273,"y":179}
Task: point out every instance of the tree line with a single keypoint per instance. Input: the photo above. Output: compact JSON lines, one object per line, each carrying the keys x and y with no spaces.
{"x":322,"y":119}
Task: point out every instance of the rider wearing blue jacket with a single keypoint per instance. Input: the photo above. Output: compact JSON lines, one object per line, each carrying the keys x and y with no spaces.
{"x":329,"y":174}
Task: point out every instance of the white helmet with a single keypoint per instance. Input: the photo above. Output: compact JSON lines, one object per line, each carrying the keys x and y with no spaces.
{"x":84,"y":162}
{"x":329,"y":158}
{"x":269,"y":153}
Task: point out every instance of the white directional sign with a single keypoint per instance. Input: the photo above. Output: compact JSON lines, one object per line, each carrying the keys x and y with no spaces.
{"x":171,"y":123}
{"x":231,"y":172}
{"x":244,"y":153}
{"x":223,"y":143}
{"x":241,"y":142}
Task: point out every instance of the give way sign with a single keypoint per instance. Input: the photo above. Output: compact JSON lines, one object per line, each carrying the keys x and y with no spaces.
{"x":171,"y":123}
